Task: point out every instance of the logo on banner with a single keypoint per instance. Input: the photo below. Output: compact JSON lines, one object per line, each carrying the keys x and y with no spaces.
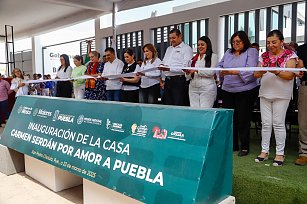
{"x":176,"y":135}
{"x":24,"y":110}
{"x":35,"y":111}
{"x":117,"y":127}
{"x":56,"y":114}
{"x":63,"y":117}
{"x":41,"y":113}
{"x":82,"y":119}
{"x":159,"y":134}
{"x":140,"y":130}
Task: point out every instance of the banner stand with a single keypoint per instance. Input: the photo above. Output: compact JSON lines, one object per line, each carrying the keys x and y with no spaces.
{"x":52,"y":177}
{"x":229,"y":200}
{"x":94,"y":193}
{"x":11,"y":161}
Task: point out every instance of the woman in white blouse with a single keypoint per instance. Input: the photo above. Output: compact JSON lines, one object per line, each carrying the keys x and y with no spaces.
{"x":64,"y":88}
{"x":18,"y":83}
{"x":150,"y":81}
{"x":202,"y":89}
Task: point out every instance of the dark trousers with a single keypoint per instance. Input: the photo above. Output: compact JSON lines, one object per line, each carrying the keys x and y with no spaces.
{"x":242,"y":103}
{"x":150,"y":94}
{"x":4,"y":112}
{"x":64,"y":89}
{"x":176,"y":91}
{"x":113,"y":95}
{"x":129,"y":96}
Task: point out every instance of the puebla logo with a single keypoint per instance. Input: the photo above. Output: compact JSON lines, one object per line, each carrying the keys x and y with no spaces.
{"x":80,"y":119}
{"x":19,"y":109}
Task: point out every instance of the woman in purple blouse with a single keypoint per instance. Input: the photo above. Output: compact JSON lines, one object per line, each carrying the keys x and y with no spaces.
{"x":239,"y":88}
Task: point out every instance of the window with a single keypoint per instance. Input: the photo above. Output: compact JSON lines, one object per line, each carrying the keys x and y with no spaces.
{"x":274,"y":23}
{"x":287,"y":22}
{"x":300,"y":27}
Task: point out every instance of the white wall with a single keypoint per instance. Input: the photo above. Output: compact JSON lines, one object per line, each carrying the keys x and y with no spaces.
{"x":213,"y":12}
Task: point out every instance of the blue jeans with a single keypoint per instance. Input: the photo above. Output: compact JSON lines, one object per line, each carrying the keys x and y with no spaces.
{"x":4,"y":110}
{"x":113,"y":95}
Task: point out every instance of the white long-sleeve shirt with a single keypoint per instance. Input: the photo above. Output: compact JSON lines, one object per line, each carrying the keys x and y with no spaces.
{"x":153,"y":77}
{"x":116,"y":67}
{"x":21,"y":90}
{"x":178,"y":56}
{"x":205,"y":78}
{"x":64,"y":75}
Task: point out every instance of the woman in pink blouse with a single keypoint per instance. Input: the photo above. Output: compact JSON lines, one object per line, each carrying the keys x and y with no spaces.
{"x":275,"y":94}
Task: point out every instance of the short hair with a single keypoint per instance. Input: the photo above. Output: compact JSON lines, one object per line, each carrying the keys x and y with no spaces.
{"x":176,"y":31}
{"x":96,"y":54}
{"x":79,"y":58}
{"x":278,"y":34}
{"x":294,"y":45}
{"x":110,"y":49}
{"x":243,"y":36}
{"x":255,"y":45}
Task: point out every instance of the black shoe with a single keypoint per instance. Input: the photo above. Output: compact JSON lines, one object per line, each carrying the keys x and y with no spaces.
{"x":243,"y":153}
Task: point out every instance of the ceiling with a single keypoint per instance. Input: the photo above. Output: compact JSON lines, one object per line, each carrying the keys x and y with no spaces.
{"x":33,"y":17}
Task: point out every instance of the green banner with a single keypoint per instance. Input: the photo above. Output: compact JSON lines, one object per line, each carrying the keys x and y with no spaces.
{"x":155,"y":154}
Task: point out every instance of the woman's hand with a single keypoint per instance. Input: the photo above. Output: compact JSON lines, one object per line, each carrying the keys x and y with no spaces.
{"x":140,"y":74}
{"x":163,"y":68}
{"x":190,"y":71}
{"x":229,"y":72}
{"x":258,"y":74}
{"x":21,"y":85}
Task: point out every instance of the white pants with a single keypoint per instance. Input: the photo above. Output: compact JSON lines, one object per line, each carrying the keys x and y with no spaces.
{"x":46,"y":92}
{"x":79,"y":92}
{"x":273,"y":113}
{"x":200,"y":98}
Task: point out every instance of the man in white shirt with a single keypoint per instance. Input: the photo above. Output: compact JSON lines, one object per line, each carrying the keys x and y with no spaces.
{"x":177,"y":55}
{"x":112,"y":67}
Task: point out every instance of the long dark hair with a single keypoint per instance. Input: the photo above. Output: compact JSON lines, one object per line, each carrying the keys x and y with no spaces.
{"x":209,"y":50}
{"x":67,"y":63}
{"x":243,"y":36}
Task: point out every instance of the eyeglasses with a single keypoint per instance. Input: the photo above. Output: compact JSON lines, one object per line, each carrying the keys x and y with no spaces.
{"x":237,"y":42}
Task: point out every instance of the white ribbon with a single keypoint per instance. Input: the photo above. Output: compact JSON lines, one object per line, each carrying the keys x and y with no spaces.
{"x":132,"y":74}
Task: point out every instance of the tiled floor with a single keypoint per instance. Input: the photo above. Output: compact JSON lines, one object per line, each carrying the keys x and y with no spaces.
{"x":22,"y":189}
